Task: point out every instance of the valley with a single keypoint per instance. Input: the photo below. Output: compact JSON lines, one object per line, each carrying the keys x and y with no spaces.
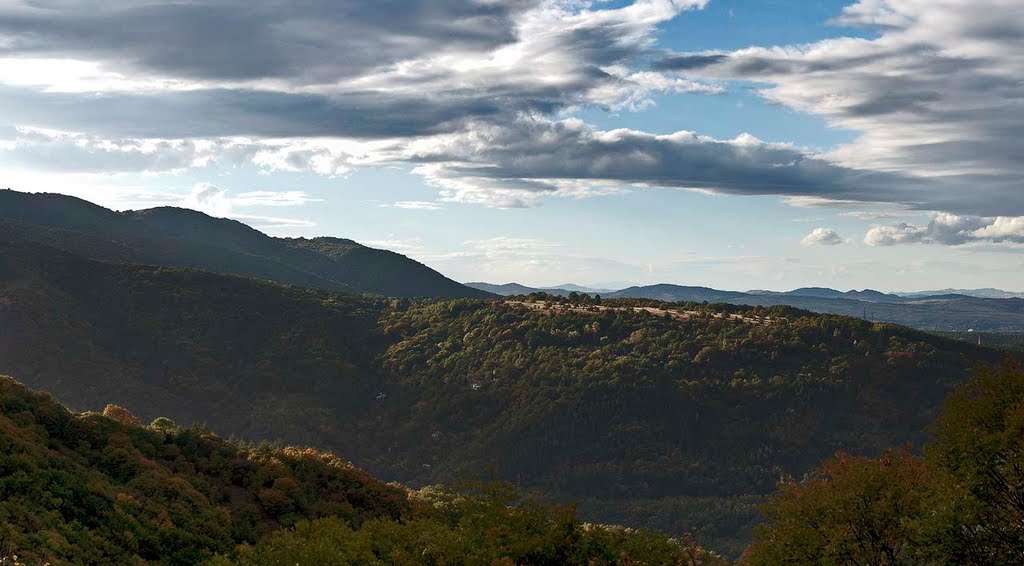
{"x":621,"y":408}
{"x":511,"y":283}
{"x":678,"y":417}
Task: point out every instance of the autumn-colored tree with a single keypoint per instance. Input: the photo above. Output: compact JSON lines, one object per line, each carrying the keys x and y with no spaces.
{"x":961,"y":504}
{"x":870,"y":512}
{"x":121,"y":415}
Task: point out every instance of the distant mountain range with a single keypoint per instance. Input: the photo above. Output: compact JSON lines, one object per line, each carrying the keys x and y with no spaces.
{"x":986,"y":293}
{"x":187,"y":238}
{"x":988,"y":310}
{"x":509,"y":289}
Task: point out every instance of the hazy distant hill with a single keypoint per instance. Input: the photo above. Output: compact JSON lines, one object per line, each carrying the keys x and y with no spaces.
{"x":945,"y":312}
{"x":869,"y":295}
{"x":509,"y":289}
{"x":578,"y":288}
{"x":986,"y":293}
{"x":954,"y":312}
{"x":506,"y":289}
{"x":182,"y":237}
{"x":673,"y":293}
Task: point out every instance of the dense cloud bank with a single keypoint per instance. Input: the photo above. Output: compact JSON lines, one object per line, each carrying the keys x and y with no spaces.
{"x":476,"y":94}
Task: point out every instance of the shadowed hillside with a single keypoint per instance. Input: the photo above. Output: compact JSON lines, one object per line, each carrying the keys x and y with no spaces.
{"x":661,"y":420}
{"x":104,"y":489}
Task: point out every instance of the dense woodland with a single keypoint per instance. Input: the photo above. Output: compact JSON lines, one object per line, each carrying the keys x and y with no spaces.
{"x":1006,"y":341}
{"x":104,"y":489}
{"x":683,"y":425}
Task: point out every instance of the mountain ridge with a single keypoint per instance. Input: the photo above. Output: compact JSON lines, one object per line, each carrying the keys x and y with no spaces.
{"x":188,"y":238}
{"x":567,"y":400}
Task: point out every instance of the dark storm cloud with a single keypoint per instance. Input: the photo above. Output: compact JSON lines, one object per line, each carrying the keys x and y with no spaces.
{"x":353,"y":69}
{"x":548,"y":152}
{"x":310,"y":40}
{"x":687,"y":62}
{"x":935,"y":98}
{"x":224,"y":112}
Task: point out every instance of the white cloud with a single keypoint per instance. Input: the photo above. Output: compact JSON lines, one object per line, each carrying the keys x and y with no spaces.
{"x":272,"y":198}
{"x":215,"y":201}
{"x":417,"y":205}
{"x":869,"y":214}
{"x":470,"y":91}
{"x":72,"y":152}
{"x":1003,"y":228}
{"x":532,"y":261}
{"x":396,"y":244}
{"x":632,"y":90}
{"x":272,"y":222}
{"x":210,"y":199}
{"x":950,"y":229}
{"x":420,"y":70}
{"x":822,"y":237}
{"x":162,"y":98}
{"x":901,"y":233}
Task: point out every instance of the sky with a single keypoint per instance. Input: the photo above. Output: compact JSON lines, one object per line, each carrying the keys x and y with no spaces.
{"x":737,"y":144}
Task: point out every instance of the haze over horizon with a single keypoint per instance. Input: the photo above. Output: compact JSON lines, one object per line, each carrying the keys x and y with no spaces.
{"x":618,"y":285}
{"x":722,"y":143}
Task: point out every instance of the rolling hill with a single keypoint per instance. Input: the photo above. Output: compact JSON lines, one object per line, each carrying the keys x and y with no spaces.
{"x":187,"y":238}
{"x":679,"y":420}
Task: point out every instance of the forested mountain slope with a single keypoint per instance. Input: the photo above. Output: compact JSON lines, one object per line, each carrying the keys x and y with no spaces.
{"x":247,"y":357}
{"x":181,"y":237}
{"x":103,"y":489}
{"x":84,"y":488}
{"x":664,"y":420}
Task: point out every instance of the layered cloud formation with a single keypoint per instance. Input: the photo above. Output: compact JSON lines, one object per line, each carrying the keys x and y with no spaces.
{"x":478,"y":96}
{"x":937,"y":94}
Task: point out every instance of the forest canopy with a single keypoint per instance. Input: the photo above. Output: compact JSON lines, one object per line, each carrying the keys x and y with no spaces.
{"x":84,"y":488}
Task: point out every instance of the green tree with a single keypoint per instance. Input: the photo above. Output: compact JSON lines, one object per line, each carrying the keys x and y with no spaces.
{"x":980,"y":443}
